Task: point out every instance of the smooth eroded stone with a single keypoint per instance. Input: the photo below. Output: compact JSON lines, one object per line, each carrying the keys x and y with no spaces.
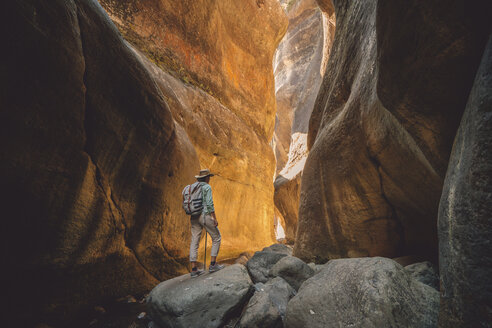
{"x":278,"y":248}
{"x":92,"y":163}
{"x":382,"y":127}
{"x":243,"y":258}
{"x":425,"y":272}
{"x":259,"y":265}
{"x":465,"y":213}
{"x":223,"y":47}
{"x":286,"y":199}
{"x":306,"y":43}
{"x":212,"y":61}
{"x":293,"y":270}
{"x":366,"y":293}
{"x":268,"y":305}
{"x":317,"y":267}
{"x":209,"y":300}
{"x":408,"y":259}
{"x":241,"y":158}
{"x":299,"y":64}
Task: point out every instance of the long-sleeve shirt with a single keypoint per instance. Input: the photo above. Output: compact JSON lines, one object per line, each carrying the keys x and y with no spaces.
{"x":208,"y":202}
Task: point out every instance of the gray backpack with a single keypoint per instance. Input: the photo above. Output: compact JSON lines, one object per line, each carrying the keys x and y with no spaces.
{"x":193,"y":199}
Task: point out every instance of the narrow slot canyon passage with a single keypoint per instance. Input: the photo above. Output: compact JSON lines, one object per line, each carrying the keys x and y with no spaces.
{"x":299,"y":66}
{"x":334,"y":154}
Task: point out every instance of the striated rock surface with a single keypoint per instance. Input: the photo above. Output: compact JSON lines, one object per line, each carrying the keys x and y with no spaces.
{"x":209,"y":300}
{"x":316,"y":267}
{"x":225,"y":47}
{"x":242,"y":161}
{"x":365,"y":293}
{"x":278,"y":248}
{"x":292,"y":270}
{"x":298,"y":72}
{"x":261,"y":263}
{"x":286,"y":199}
{"x":268,"y":305}
{"x":91,"y":163}
{"x":381,"y":130}
{"x":425,"y":272}
{"x":212,"y":61}
{"x":299,"y":65}
{"x":465,"y":224}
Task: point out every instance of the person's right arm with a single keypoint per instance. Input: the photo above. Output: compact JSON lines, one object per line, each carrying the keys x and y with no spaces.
{"x":209,"y":203}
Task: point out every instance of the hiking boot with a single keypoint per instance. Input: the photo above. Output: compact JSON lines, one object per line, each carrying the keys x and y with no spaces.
{"x":215,"y":267}
{"x":196,"y":273}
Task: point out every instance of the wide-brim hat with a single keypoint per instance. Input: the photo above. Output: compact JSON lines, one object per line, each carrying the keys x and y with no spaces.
{"x":204,"y":173}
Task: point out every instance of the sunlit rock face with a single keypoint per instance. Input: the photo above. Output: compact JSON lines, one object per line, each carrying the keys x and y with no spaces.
{"x":381,"y":131}
{"x":299,"y":68}
{"x":224,"y":46}
{"x":92,"y":164}
{"x":241,"y":160}
{"x":213,"y":62}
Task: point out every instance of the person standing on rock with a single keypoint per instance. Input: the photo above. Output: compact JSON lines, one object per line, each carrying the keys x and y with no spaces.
{"x":207,"y":220}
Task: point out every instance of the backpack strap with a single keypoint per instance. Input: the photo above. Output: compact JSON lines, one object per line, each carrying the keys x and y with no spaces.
{"x":199,"y":184}
{"x":189,"y":198}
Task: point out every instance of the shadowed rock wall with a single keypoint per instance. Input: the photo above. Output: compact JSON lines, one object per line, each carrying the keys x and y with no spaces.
{"x":381,"y":130}
{"x":300,"y":62}
{"x":465,"y":224}
{"x":91,"y":163}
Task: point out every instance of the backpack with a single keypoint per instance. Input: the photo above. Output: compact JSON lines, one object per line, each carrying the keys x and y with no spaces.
{"x":193,"y":199}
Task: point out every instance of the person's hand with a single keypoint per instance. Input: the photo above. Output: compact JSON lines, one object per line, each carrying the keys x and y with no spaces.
{"x":214,"y":218}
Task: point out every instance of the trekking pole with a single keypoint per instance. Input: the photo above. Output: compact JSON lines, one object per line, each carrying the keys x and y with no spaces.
{"x":205,"y":257}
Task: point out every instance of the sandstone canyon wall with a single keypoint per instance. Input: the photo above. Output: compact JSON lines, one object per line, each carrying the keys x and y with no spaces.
{"x":91,"y":162}
{"x":99,"y":136}
{"x":98,"y":143}
{"x":225,"y":47}
{"x":299,"y":65}
{"x":240,"y":158}
{"x":382,"y":127}
{"x":213,"y":62}
{"x":465,"y":221}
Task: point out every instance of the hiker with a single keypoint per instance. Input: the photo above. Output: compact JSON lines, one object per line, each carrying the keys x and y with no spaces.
{"x":204,"y":219}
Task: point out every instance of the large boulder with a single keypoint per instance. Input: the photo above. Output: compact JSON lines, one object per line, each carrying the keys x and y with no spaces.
{"x":92,"y":163}
{"x":366,"y":293}
{"x":213,"y":63}
{"x":425,"y":272}
{"x":293,"y":270}
{"x":286,"y":199}
{"x":209,"y":300}
{"x":278,"y":248}
{"x":260,"y":264}
{"x":465,"y":220}
{"x":268,"y":305}
{"x":382,"y":127}
{"x":408,"y":259}
{"x":316,"y":267}
{"x":307,"y":43}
